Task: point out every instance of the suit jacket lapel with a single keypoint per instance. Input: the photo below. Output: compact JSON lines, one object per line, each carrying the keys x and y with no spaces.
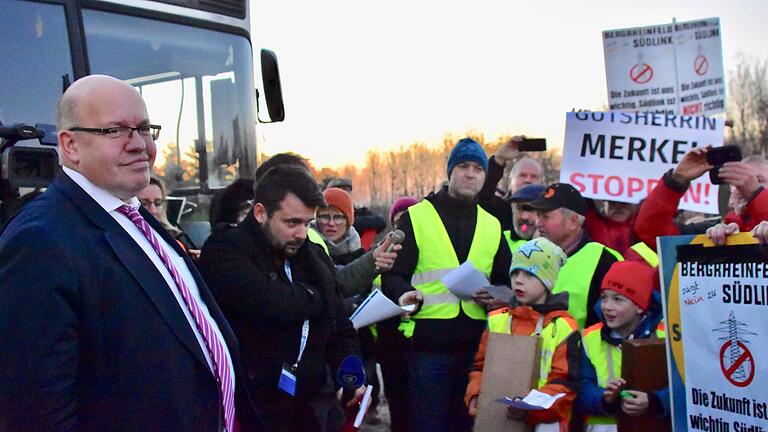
{"x":205,"y":294}
{"x":136,"y":263}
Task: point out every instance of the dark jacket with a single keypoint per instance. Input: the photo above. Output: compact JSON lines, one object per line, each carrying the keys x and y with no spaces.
{"x":462,"y":333}
{"x":499,"y":207}
{"x":93,"y":337}
{"x":266,"y":311}
{"x":591,"y":394}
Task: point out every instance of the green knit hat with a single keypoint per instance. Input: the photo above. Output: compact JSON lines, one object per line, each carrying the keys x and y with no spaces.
{"x":541,"y":258}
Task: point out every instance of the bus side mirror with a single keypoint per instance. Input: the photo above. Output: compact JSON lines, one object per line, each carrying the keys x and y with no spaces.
{"x":273,"y":93}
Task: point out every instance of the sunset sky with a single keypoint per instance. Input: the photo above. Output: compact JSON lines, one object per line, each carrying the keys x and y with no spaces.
{"x":361,"y":76}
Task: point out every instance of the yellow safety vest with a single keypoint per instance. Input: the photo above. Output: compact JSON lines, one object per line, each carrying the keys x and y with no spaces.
{"x":554,"y":334}
{"x":437,"y":258}
{"x":513,"y":244}
{"x":606,"y":359}
{"x":317,"y":238}
{"x":575,"y":277}
{"x":648,"y":254}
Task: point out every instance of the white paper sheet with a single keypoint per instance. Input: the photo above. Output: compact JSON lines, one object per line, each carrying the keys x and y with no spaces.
{"x":364,"y":404}
{"x":535,"y":400}
{"x":464,"y":281}
{"x":377,"y":307}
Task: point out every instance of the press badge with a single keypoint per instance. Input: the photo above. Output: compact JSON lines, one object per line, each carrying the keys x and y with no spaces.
{"x":287,"y":381}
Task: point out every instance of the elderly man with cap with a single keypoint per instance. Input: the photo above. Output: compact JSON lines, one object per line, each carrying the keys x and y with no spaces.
{"x":561,"y":210}
{"x":444,"y":230}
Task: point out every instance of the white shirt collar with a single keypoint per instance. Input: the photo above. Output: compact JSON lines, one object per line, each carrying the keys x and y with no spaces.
{"x":105,"y":199}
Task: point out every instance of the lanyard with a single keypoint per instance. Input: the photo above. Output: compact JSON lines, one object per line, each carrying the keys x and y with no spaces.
{"x":304,"y":327}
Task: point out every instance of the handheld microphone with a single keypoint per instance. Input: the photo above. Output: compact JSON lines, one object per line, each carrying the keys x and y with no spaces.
{"x":351,"y":372}
{"x":396,"y":237}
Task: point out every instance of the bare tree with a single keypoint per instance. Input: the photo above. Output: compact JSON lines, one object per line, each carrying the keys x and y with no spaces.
{"x":748,"y":105}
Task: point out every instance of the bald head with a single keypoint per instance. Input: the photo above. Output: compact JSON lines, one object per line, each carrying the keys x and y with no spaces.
{"x":118,"y":163}
{"x":525,"y":171}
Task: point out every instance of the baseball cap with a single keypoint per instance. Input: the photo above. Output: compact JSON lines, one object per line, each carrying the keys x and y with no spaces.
{"x":560,"y":195}
{"x":527,"y":193}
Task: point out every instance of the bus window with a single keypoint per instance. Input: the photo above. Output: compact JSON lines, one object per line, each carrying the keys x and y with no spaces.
{"x":198,"y":85}
{"x":36,"y":62}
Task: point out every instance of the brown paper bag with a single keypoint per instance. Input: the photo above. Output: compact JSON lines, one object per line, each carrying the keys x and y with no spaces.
{"x":644,"y":367}
{"x":511,"y":369}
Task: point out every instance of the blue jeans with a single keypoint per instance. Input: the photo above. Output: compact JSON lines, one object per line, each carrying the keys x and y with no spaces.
{"x":437,"y":383}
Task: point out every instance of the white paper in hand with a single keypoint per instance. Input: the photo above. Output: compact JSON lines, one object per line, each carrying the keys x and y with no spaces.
{"x":364,"y":404}
{"x":535,"y":400}
{"x":377,"y":307}
{"x":464,"y":281}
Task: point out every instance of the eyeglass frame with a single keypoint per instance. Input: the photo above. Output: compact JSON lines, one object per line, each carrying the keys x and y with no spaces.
{"x":338,"y":219}
{"x":154,"y":131}
{"x":145,"y":202}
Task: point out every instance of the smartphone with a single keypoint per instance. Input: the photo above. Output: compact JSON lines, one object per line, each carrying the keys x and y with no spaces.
{"x":718,"y":156}
{"x":532,"y":144}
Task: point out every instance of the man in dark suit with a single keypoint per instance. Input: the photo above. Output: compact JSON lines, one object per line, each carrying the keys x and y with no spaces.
{"x":105,"y":322}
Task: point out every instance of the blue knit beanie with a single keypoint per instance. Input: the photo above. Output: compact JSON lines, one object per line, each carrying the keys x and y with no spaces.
{"x":467,"y":150}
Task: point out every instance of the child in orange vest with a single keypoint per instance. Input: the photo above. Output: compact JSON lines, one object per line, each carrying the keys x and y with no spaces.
{"x":534,"y":310}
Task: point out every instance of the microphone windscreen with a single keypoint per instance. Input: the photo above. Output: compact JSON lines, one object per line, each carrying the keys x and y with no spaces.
{"x":351,"y":372}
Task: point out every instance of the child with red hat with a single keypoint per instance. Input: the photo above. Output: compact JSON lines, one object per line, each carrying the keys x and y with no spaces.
{"x":629,"y":309}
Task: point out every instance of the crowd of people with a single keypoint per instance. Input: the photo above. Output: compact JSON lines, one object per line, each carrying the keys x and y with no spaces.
{"x":114,"y":320}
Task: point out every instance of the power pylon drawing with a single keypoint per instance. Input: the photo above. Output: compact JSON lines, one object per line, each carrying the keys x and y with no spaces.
{"x":734,"y":331}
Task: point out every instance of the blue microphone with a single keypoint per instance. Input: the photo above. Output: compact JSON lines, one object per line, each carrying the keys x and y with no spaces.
{"x":351,"y":372}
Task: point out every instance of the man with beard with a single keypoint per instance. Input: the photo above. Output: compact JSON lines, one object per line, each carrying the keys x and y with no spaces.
{"x":443,"y":230}
{"x":523,"y":216}
{"x":279,"y":293}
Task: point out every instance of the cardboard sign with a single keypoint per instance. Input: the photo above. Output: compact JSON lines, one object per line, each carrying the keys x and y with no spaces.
{"x":715,"y":304}
{"x":672,"y":68}
{"x":511,"y":369}
{"x":621,"y":156}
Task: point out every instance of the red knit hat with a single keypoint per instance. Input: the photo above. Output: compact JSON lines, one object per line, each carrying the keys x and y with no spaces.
{"x":341,"y":199}
{"x":631,"y":279}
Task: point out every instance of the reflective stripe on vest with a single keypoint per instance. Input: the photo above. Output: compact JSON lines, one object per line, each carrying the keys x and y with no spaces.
{"x":647,"y":253}
{"x":606,"y":359}
{"x":555,"y":333}
{"x":316,"y":238}
{"x":437,"y":258}
{"x":513,"y":244}
{"x":576,"y":277}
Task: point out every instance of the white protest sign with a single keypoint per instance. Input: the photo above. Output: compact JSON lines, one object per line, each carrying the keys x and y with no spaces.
{"x":621,"y":156}
{"x":723,"y":301}
{"x":674,"y":68}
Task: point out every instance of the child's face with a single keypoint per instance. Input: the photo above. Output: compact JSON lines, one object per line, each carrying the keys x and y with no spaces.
{"x":528,"y":288}
{"x":620,"y":313}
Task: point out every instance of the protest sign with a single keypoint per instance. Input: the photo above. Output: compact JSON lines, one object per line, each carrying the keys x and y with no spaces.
{"x":672,"y":68}
{"x":621,"y":156}
{"x":715,"y":303}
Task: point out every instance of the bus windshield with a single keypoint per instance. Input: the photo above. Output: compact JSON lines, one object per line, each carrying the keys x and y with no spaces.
{"x":198,"y":85}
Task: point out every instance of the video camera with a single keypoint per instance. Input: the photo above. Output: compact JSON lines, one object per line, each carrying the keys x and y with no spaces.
{"x":26,"y":166}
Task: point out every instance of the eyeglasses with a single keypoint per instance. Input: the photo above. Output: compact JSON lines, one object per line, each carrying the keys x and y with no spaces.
{"x":122,"y":131}
{"x":147,"y":203}
{"x":337,"y":218}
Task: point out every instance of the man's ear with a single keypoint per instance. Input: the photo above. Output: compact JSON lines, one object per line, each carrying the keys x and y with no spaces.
{"x":69,"y":146}
{"x":260,"y":212}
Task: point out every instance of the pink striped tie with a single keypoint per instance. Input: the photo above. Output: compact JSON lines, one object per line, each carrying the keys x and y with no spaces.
{"x":212,"y":342}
